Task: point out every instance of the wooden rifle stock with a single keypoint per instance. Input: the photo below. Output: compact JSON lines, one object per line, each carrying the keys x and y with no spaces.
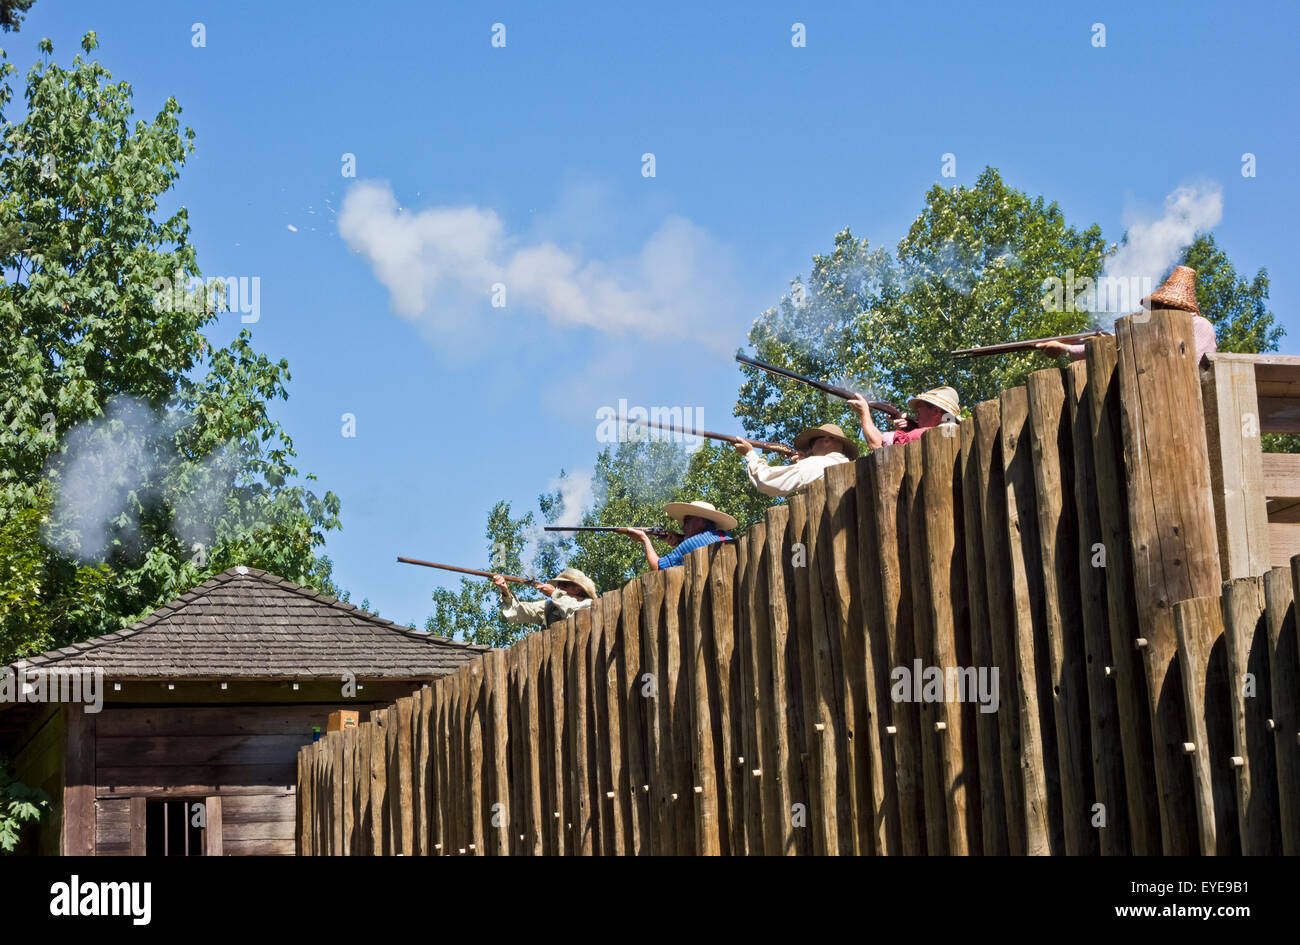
{"x":473,"y":571}
{"x":1026,"y":345}
{"x":887,"y":409}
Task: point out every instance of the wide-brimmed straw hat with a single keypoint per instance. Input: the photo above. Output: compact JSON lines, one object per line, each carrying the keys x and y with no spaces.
{"x":574,"y":576}
{"x":705,"y":510}
{"x":945,"y":398}
{"x":804,"y":439}
{"x":1178,"y":292}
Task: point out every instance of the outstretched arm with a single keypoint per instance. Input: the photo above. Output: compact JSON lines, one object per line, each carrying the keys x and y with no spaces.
{"x":651,"y":556}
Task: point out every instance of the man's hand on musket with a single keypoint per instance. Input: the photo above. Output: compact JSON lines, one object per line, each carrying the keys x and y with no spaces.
{"x":547,"y":589}
{"x":858,"y":404}
{"x":1052,"y":349}
{"x":742,"y":446}
{"x":500,"y":581}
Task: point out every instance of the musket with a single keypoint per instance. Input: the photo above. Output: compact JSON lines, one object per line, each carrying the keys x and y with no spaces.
{"x":724,"y":437}
{"x":485,"y":574}
{"x":887,"y":409}
{"x":1026,"y":345}
{"x":648,"y":529}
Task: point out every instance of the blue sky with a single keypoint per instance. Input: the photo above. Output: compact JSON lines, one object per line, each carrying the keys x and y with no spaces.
{"x":528,"y":159}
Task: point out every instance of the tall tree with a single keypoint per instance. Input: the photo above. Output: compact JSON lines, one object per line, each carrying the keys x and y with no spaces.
{"x":136,"y":459}
{"x":1238,"y":309}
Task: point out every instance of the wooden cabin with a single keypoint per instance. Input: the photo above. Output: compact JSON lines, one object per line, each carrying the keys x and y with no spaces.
{"x":205,"y":704}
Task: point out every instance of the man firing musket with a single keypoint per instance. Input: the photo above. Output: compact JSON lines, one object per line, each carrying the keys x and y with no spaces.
{"x":934,"y":407}
{"x":819,"y":448}
{"x":1179,"y":293}
{"x":570,"y":591}
{"x":930,"y":409}
{"x":702,"y":525}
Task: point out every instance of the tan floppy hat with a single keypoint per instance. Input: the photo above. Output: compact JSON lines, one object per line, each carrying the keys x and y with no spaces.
{"x":1178,"y":292}
{"x":679,"y":511}
{"x":945,"y":398}
{"x":804,"y":439}
{"x":574,"y":576}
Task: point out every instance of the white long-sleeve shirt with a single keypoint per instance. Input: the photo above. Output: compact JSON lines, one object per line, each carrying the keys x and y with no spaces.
{"x":542,"y":612}
{"x":787,"y":480}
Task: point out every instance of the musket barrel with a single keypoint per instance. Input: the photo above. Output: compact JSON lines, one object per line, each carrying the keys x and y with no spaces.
{"x":842,"y":392}
{"x":724,"y":437}
{"x":1026,"y":345}
{"x":473,"y":571}
{"x":648,"y":529}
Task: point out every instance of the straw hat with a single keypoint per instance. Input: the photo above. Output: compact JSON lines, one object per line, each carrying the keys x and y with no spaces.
{"x":679,"y":511}
{"x":574,"y":576}
{"x":1178,"y":292}
{"x":804,"y":439}
{"x":945,"y":398}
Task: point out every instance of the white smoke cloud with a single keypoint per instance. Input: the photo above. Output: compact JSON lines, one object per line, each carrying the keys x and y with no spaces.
{"x":680,"y":284}
{"x":576,"y":498}
{"x":108,"y":459}
{"x":120,"y":460}
{"x":1154,"y":246}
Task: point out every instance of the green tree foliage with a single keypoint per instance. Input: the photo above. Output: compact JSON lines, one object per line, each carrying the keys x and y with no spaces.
{"x":19,"y":805}
{"x":85,"y":256}
{"x":971,"y":270}
{"x":472,"y":612}
{"x":12,"y":13}
{"x":1238,"y":309}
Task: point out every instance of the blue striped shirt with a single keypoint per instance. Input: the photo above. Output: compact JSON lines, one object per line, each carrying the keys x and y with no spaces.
{"x":678,"y":555}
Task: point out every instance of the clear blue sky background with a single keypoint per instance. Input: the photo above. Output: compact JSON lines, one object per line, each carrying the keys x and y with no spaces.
{"x":767,"y":149}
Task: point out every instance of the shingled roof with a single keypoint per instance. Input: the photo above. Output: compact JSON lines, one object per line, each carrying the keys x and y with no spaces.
{"x":248,"y":624}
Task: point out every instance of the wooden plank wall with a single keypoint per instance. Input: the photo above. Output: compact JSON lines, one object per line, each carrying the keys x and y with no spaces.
{"x":820,"y":685}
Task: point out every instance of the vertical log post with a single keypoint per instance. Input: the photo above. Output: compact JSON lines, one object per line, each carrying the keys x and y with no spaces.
{"x":1110,"y":548}
{"x":1172,"y":536}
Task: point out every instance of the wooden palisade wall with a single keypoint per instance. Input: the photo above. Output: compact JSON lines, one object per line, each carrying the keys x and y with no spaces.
{"x":744,"y":703}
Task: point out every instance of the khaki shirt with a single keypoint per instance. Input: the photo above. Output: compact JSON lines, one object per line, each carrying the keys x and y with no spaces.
{"x":787,"y":480}
{"x":541,"y":612}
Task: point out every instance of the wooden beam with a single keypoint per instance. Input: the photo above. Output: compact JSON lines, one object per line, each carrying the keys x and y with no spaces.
{"x":1039,"y":769}
{"x":1053,"y":454}
{"x":139,"y":823}
{"x":1125,"y":672}
{"x":212,"y":831}
{"x":953,"y":733}
{"x":1171,"y":532}
{"x":992,"y":802}
{"x":1248,"y":696}
{"x":1284,"y":678}
{"x":79,"y":782}
{"x":995,"y":552}
{"x":1236,"y":468}
{"x":1102,"y":709}
{"x":839,"y":574}
{"x":1208,"y":741}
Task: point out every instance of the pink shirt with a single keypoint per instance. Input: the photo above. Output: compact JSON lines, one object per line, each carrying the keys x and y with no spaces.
{"x":1202,"y":331}
{"x":895,"y":437}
